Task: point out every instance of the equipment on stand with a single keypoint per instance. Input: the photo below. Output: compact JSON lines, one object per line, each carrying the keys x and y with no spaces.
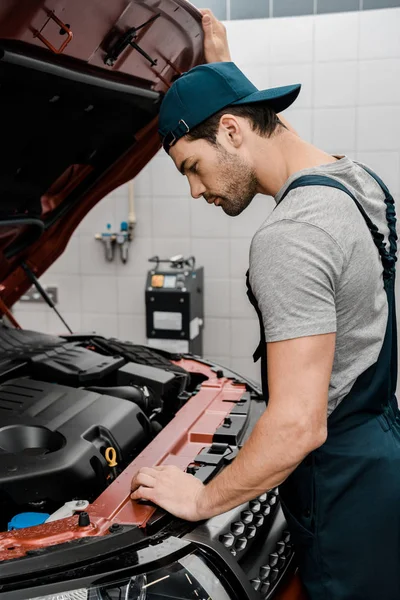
{"x":175,"y":305}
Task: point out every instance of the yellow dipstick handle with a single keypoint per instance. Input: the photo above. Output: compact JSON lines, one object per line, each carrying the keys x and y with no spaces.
{"x":111,"y":457}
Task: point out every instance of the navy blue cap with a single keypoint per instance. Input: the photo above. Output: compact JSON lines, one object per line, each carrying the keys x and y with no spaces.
{"x":204,"y":90}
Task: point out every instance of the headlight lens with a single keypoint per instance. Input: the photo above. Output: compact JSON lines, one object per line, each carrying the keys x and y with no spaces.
{"x":188,"y":578}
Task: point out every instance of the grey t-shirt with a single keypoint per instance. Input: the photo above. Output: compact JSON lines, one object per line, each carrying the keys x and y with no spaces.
{"x":315,"y":269}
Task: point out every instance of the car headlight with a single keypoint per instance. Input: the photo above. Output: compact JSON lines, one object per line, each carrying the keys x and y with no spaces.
{"x":188,"y":578}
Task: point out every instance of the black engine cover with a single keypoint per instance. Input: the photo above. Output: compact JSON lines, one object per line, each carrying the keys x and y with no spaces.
{"x":71,"y":364}
{"x":53,"y":439}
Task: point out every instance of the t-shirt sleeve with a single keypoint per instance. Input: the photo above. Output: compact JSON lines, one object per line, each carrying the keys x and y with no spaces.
{"x":295,"y":271}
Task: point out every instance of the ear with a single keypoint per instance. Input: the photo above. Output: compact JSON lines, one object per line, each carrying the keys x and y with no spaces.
{"x":231,"y":129}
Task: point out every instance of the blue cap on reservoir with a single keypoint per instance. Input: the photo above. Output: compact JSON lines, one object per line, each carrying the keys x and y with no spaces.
{"x":27,"y":519}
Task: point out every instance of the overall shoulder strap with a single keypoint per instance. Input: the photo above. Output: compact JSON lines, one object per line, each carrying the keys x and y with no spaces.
{"x":390,"y":212}
{"x":388,"y":258}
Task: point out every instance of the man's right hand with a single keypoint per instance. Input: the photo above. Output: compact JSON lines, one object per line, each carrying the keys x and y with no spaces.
{"x":216,"y":47}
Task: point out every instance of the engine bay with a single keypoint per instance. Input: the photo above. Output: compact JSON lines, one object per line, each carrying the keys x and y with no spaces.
{"x":74,"y":412}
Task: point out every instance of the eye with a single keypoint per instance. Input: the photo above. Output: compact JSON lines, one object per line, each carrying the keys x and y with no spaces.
{"x":193,"y":168}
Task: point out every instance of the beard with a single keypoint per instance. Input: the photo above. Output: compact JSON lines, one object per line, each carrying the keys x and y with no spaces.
{"x":236,"y":181}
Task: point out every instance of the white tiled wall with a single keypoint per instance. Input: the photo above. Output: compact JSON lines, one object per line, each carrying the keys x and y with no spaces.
{"x":349,"y":65}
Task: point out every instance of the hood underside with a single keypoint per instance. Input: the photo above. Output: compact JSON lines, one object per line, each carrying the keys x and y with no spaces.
{"x":81,"y":88}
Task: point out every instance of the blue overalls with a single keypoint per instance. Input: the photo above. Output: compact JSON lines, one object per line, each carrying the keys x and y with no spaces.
{"x":342,"y":503}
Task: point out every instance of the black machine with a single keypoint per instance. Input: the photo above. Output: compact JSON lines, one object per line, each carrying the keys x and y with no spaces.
{"x":175,"y":305}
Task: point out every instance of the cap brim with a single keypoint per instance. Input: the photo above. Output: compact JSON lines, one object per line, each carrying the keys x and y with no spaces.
{"x":278,"y":98}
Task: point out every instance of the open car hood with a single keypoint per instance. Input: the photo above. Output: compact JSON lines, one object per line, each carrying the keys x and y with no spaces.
{"x":80,"y":106}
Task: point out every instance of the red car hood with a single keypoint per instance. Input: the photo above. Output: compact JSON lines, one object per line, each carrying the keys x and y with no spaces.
{"x":80,"y":108}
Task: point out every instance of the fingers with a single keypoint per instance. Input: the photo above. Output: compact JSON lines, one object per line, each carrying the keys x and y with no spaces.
{"x":147,"y":476}
{"x":144,"y":480}
{"x":149,"y":470}
{"x":208,"y":19}
{"x":207,"y":26}
{"x":143,"y":493}
{"x":206,"y":11}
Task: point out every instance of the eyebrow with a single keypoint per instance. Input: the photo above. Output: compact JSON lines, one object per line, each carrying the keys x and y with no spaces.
{"x":182,"y":168}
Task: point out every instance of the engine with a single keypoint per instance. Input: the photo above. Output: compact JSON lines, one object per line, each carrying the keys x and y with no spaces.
{"x":74,"y":413}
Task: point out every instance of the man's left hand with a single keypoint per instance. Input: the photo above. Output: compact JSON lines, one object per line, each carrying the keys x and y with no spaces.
{"x":170,"y":488}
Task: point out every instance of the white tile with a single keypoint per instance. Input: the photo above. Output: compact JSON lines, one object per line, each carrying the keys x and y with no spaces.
{"x":213,"y":255}
{"x":33,"y":321}
{"x":31,"y":307}
{"x":245,"y":337}
{"x":386,"y":165}
{"x":56,"y":327}
{"x":291,"y":40}
{"x":92,"y":254}
{"x":217,"y":337}
{"x":336,"y":36}
{"x":69,"y":290}
{"x":166,"y":179}
{"x":97,"y":219}
{"x":247,"y":368}
{"x":68,"y":263}
{"x":246,"y":224}
{"x":143,"y":210}
{"x":140,"y":250}
{"x":221,"y":361}
{"x":132,"y":328}
{"x":165,"y":248}
{"x":119,"y":192}
{"x":259,"y":74}
{"x":99,"y":295}
{"x":131,"y":295}
{"x":291,"y":74}
{"x":208,"y":220}
{"x":379,"y":82}
{"x":216,"y":298}
{"x":248,"y":40}
{"x":102,"y":324}
{"x":301,"y":120}
{"x":335,"y":84}
{"x":378,"y":129}
{"x":350,"y":153}
{"x":240,"y":305}
{"x":142,"y":184}
{"x":239,"y":250}
{"x":334,"y":128}
{"x":171,"y":216}
{"x":379,"y":33}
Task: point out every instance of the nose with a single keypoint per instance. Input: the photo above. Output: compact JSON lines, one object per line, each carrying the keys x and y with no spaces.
{"x":197,"y":189}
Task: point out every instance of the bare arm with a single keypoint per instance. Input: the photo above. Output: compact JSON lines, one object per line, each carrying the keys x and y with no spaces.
{"x":294,"y":424}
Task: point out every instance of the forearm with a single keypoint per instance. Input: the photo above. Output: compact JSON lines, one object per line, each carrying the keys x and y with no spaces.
{"x":271,"y":453}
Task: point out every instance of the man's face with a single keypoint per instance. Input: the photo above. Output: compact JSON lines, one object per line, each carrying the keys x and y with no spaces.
{"x":220,"y":176}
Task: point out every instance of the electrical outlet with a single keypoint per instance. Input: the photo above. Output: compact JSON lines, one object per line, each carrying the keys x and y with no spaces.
{"x":32,"y":295}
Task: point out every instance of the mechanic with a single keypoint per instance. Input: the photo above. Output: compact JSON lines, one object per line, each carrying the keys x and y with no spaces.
{"x":321,"y":277}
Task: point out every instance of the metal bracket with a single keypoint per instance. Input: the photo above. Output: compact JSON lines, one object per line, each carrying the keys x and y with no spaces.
{"x":68,"y":509}
{"x":127,"y":39}
{"x":65,"y":28}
